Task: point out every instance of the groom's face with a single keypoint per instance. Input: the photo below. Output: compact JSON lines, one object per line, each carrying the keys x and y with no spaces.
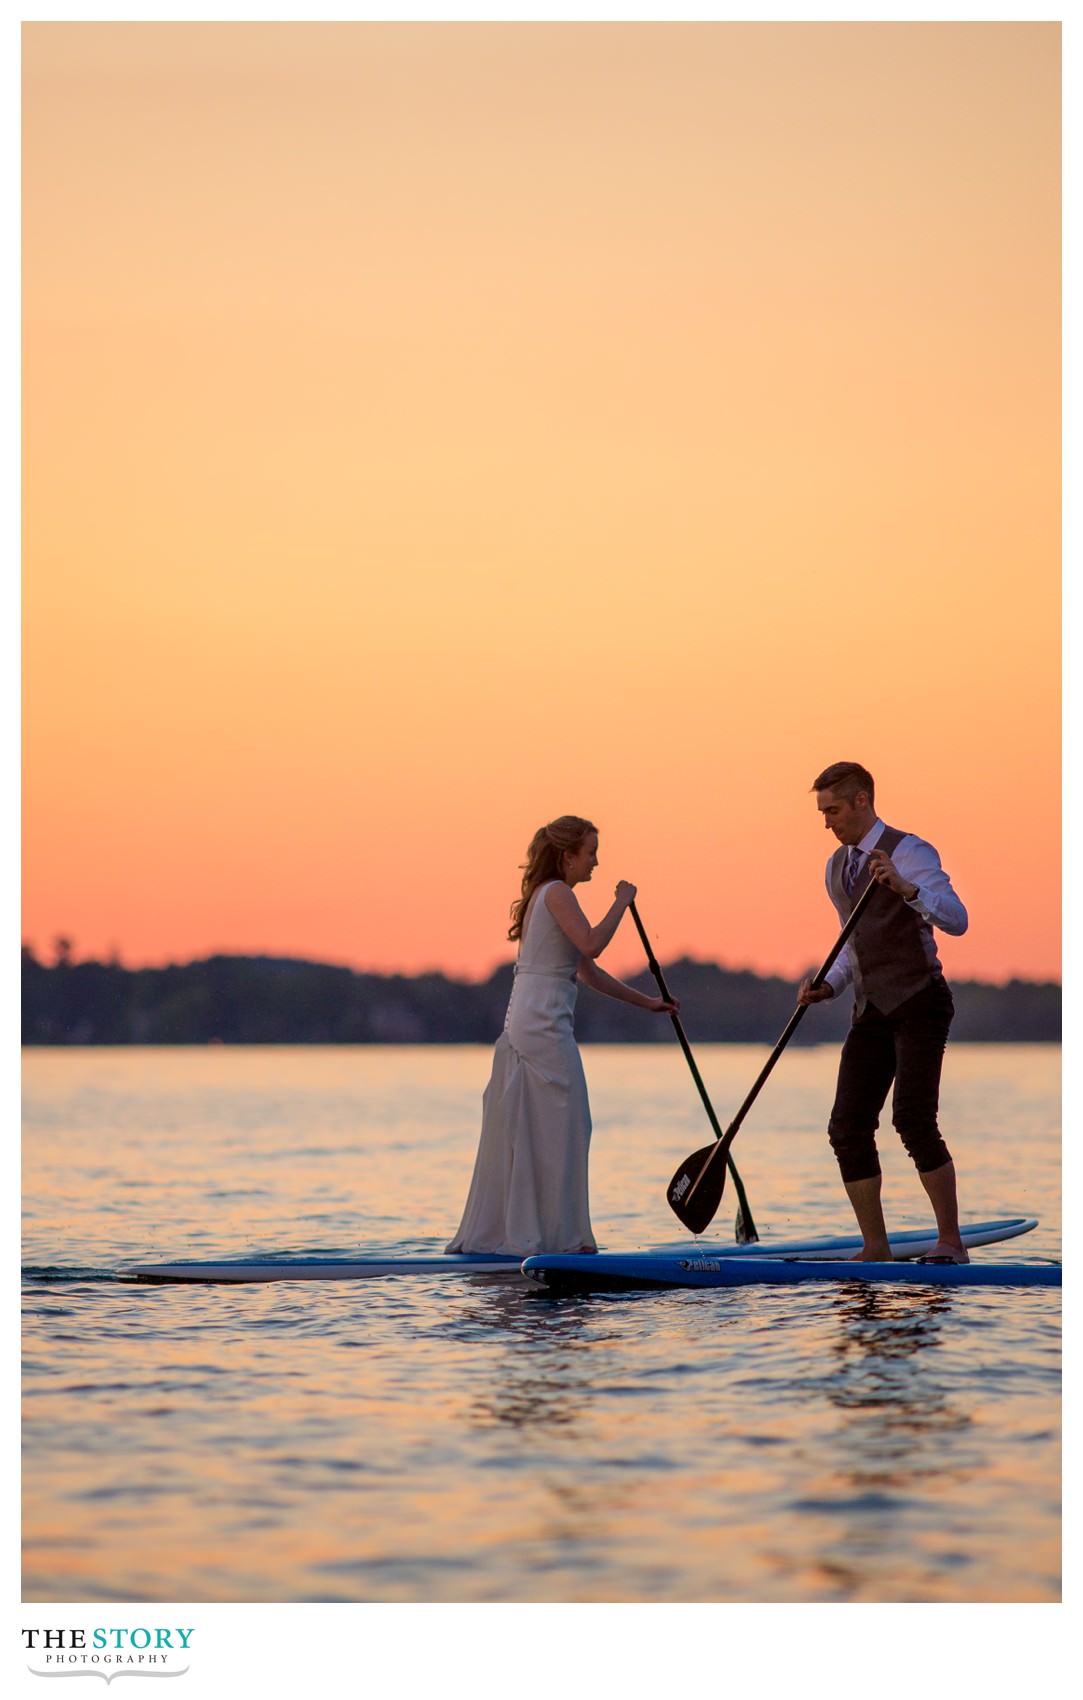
{"x":848,"y":820}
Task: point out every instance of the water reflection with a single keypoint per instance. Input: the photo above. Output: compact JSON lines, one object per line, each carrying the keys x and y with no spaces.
{"x":881,"y":1364}
{"x":910,"y":1313}
{"x":901,"y":1429}
{"x":546,"y":1380}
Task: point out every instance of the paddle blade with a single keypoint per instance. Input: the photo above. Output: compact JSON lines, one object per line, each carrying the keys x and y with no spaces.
{"x":744,"y":1228}
{"x":695,"y":1191}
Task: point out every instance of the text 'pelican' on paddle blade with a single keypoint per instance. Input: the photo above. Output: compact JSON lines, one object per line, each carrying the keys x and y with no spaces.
{"x":695,"y":1191}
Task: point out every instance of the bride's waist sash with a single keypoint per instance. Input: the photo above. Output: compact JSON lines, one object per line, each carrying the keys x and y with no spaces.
{"x":547,"y":973}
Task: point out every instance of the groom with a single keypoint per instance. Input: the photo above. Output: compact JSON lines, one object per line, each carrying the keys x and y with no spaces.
{"x":902,"y":1005}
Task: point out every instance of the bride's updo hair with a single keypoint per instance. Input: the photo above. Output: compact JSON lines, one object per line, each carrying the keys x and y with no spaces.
{"x":545,"y":860}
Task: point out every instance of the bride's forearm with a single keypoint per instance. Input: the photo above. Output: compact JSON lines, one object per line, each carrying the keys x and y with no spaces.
{"x":596,"y":977}
{"x":602,"y":933}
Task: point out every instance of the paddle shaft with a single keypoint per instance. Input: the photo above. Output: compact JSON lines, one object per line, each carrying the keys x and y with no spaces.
{"x":749,"y":1230}
{"x":726,"y":1139}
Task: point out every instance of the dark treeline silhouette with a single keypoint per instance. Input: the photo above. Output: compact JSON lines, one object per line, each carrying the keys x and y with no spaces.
{"x":261,"y":1000}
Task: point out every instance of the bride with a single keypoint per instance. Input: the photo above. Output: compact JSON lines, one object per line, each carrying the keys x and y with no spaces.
{"x":529,"y":1189}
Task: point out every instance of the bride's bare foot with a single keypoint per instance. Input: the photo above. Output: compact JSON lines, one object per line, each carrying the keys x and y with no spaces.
{"x":865,"y":1255}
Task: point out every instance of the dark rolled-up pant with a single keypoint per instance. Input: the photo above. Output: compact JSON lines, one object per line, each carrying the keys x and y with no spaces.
{"x":906,"y":1047}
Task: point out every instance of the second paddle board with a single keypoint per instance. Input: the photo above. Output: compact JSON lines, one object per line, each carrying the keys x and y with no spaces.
{"x":296,"y":1266}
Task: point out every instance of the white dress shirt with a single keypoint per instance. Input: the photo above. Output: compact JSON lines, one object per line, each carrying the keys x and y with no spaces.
{"x":935,"y":903}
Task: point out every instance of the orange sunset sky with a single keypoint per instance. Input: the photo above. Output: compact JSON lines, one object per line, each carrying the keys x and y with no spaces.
{"x":433,"y":428}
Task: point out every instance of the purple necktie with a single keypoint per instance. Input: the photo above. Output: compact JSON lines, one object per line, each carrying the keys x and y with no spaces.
{"x":849,"y":878}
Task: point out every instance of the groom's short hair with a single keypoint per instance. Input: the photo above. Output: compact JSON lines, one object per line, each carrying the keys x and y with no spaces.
{"x":846,"y":779}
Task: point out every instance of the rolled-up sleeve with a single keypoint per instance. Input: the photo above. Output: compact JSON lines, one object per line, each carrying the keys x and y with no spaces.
{"x":936,"y":900}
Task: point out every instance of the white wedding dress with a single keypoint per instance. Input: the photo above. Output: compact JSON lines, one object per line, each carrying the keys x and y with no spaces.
{"x":529,"y":1190}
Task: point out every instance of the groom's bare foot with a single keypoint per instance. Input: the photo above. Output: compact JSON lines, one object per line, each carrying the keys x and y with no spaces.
{"x":948,"y":1251}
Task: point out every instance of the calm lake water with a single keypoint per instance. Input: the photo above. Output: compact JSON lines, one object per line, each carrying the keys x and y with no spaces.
{"x":475,"y":1439}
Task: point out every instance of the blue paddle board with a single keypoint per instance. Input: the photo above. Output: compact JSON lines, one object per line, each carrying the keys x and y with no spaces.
{"x":298,"y":1267}
{"x":602,"y":1272}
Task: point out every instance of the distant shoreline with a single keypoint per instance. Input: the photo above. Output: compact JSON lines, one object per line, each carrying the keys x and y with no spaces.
{"x":254,"y":1000}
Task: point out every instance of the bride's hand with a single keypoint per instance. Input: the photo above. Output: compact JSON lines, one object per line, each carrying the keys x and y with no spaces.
{"x":625,"y":892}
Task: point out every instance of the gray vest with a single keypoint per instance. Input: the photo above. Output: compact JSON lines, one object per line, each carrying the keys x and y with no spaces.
{"x":891,"y":947}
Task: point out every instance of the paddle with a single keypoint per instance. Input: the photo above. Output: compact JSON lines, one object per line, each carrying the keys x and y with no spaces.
{"x":744,"y":1227}
{"x":695,"y":1191}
